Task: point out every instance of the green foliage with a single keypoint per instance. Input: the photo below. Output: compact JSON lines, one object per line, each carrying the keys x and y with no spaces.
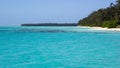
{"x":98,"y":18}
{"x":110,"y":24}
{"x":118,"y":26}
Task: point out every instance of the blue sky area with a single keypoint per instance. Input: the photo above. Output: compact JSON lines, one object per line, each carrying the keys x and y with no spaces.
{"x":16,"y":12}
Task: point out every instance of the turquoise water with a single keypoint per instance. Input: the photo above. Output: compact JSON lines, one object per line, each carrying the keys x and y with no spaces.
{"x":58,"y":47}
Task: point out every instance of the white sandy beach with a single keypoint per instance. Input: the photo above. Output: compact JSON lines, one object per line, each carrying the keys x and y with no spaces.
{"x":100,"y":28}
{"x":107,"y":29}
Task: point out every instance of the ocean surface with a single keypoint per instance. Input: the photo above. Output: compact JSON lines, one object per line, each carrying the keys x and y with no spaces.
{"x":58,"y":47}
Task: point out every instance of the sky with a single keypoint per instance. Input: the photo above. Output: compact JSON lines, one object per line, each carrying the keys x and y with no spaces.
{"x":17,"y":12}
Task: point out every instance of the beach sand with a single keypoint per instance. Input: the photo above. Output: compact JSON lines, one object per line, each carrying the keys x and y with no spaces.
{"x":100,"y":28}
{"x":107,"y":29}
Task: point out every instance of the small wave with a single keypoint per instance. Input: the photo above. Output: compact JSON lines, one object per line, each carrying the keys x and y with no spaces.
{"x":26,"y":63}
{"x":15,"y":54}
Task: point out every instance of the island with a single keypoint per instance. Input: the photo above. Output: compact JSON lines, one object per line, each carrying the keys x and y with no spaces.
{"x":50,"y":24}
{"x":105,"y":17}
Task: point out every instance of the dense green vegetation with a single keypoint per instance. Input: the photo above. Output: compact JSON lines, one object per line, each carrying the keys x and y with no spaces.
{"x":51,"y":24}
{"x":105,"y":17}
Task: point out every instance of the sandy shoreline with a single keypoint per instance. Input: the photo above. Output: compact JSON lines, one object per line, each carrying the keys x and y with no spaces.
{"x":100,"y":28}
{"x":107,"y":29}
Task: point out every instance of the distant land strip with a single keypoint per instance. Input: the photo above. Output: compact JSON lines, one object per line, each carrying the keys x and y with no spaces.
{"x":51,"y":24}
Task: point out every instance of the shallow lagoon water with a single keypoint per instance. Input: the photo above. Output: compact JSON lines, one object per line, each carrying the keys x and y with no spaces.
{"x":58,"y":47}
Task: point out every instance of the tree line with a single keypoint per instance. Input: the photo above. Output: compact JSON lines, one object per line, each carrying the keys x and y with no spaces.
{"x":51,"y":24}
{"x":105,"y":17}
